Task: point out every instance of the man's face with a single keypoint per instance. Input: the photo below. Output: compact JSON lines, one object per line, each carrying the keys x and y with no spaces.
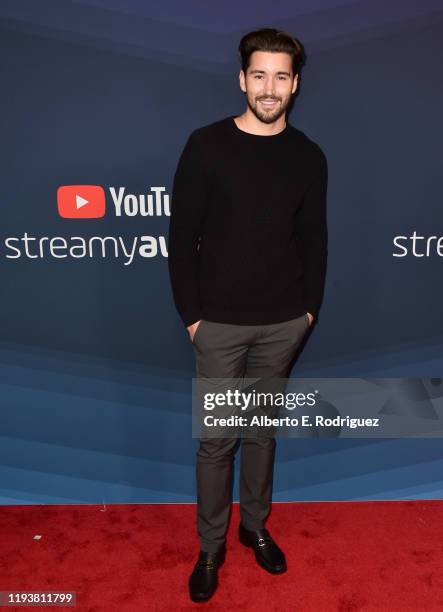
{"x":269,"y":84}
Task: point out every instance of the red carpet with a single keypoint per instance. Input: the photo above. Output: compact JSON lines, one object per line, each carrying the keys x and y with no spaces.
{"x":343,"y":557}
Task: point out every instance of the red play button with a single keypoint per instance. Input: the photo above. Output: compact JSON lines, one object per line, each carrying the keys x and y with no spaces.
{"x":81,"y":201}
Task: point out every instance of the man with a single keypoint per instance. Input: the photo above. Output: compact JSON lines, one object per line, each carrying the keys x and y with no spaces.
{"x":247,"y":261}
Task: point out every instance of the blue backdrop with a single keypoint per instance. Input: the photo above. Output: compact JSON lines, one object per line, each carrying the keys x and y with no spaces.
{"x":96,"y":366}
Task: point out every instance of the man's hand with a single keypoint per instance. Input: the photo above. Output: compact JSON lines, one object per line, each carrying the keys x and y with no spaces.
{"x":192,"y":329}
{"x":310,"y":317}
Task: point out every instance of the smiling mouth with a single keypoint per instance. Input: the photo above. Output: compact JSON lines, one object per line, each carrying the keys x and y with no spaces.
{"x":268,"y":102}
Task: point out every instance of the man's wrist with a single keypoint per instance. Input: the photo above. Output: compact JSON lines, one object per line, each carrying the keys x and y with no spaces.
{"x":190,"y":320}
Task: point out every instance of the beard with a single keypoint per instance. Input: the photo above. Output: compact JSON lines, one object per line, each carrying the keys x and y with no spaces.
{"x":271,"y":115}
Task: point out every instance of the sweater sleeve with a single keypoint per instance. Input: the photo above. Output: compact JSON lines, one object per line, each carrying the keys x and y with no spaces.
{"x":312,"y":237}
{"x":188,"y":202}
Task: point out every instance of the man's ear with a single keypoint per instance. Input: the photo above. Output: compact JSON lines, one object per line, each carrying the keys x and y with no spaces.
{"x":294,"y":85}
{"x":242,"y":81}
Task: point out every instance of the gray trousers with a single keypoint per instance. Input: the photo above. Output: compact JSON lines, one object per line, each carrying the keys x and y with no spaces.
{"x":235,"y":351}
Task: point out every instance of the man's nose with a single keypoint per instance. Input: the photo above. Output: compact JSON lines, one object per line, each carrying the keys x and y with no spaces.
{"x":269,"y":88}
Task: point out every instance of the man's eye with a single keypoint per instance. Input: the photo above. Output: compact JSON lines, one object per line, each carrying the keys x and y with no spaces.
{"x":260,"y":76}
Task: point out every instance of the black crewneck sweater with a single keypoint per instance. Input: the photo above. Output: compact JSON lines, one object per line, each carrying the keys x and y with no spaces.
{"x":248,"y":236}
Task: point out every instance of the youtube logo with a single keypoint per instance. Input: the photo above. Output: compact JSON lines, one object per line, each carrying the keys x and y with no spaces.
{"x":81,"y":201}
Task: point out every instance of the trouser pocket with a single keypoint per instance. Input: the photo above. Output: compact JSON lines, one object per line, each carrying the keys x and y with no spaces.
{"x":197,"y":331}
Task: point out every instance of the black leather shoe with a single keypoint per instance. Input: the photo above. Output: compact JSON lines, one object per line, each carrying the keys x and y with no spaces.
{"x":203,"y":581}
{"x":267,"y":553}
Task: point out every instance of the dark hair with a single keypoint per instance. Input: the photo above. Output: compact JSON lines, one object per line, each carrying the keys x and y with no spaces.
{"x":270,"y":39}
